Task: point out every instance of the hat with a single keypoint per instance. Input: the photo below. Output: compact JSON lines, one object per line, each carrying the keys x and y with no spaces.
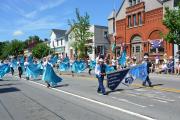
{"x":145,"y":57}
{"x":101,"y":60}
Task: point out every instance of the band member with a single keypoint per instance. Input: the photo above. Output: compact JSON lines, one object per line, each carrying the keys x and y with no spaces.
{"x":100,"y":73}
{"x":146,"y":59}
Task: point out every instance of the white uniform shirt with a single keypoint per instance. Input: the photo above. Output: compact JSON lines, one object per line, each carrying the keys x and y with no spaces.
{"x":97,"y":69}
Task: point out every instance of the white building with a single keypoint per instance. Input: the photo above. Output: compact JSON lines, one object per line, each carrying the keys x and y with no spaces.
{"x":57,"y":40}
{"x":98,"y":44}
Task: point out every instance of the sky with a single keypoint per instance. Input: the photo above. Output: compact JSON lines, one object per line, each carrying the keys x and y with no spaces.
{"x":20,"y":19}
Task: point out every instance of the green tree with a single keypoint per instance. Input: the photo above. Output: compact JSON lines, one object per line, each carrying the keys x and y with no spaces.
{"x":2,"y":45}
{"x":15,"y":48}
{"x":172,"y":22}
{"x":40,"y":50}
{"x":81,"y":34}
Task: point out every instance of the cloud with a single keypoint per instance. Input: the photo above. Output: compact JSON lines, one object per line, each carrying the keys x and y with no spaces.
{"x":17,"y":33}
{"x":42,"y":7}
{"x":47,"y":22}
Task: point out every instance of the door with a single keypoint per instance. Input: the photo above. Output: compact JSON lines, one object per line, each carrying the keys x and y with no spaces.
{"x":136,"y":48}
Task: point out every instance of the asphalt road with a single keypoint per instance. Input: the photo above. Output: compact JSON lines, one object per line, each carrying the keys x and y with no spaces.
{"x":75,"y":98}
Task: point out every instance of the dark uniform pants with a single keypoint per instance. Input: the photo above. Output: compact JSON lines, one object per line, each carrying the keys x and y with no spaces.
{"x":101,"y":86}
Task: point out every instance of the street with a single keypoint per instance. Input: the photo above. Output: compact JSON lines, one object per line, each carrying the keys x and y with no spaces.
{"x":75,"y":98}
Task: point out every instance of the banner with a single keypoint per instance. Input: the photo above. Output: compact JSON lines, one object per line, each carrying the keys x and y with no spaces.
{"x":115,"y":78}
{"x":139,"y":71}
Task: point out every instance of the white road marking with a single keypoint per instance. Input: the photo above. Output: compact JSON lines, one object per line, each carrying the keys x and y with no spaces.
{"x":127,"y":101}
{"x":153,"y":96}
{"x":151,"y":105}
{"x":160,"y":101}
{"x":97,"y":102}
{"x":141,"y":90}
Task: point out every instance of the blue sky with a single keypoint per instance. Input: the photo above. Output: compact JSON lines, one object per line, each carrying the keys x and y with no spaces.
{"x":22,"y":18}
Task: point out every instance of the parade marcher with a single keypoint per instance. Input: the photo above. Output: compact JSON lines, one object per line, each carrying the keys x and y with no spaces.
{"x":100,"y":73}
{"x":114,"y":63}
{"x":26,"y":63}
{"x":49,"y":76}
{"x":133,"y":61}
{"x":11,"y":67}
{"x":146,"y":59}
{"x":19,"y":69}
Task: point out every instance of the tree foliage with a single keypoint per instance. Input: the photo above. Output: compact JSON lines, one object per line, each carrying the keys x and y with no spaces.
{"x":172,"y":22}
{"x":14,"y":48}
{"x":81,"y":34}
{"x":40,"y":50}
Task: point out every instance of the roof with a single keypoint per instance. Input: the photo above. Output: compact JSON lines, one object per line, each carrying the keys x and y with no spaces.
{"x":59,"y":32}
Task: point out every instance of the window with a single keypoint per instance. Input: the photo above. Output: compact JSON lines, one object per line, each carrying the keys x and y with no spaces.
{"x":130,"y":3}
{"x":138,"y":49}
{"x":140,"y":18}
{"x":134,"y":19}
{"x":61,"y":42}
{"x":138,"y":1}
{"x":57,"y":42}
{"x":129,"y":21}
{"x":176,"y":3}
{"x":134,"y":2}
{"x":159,"y":49}
{"x":105,"y":34}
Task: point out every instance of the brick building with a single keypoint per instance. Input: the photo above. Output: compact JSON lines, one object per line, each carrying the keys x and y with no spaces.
{"x":139,"y":25}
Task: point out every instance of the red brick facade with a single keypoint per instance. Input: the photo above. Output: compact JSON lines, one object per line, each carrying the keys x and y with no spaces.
{"x":149,"y":29}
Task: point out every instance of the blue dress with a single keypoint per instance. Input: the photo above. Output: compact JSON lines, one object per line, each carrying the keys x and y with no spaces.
{"x":50,"y":76}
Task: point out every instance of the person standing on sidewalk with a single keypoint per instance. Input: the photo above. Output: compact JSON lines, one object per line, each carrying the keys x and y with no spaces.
{"x":100,"y":73}
{"x":146,"y":59}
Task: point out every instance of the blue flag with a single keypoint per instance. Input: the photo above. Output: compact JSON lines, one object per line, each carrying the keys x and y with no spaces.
{"x":4,"y":69}
{"x":92,"y":64}
{"x":63,"y":66}
{"x":109,"y":68}
{"x":50,"y":76}
{"x":122,"y":60}
{"x":34,"y":70}
{"x":53,"y":59}
{"x":14,"y":63}
{"x":30,"y":59}
{"x":78,"y":66}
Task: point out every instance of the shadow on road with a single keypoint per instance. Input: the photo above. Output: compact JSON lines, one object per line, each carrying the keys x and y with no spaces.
{"x":118,"y":90}
{"x":7,"y":90}
{"x":157,"y":85}
{"x":7,"y":84}
{"x":63,"y":85}
{"x":1,"y":80}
